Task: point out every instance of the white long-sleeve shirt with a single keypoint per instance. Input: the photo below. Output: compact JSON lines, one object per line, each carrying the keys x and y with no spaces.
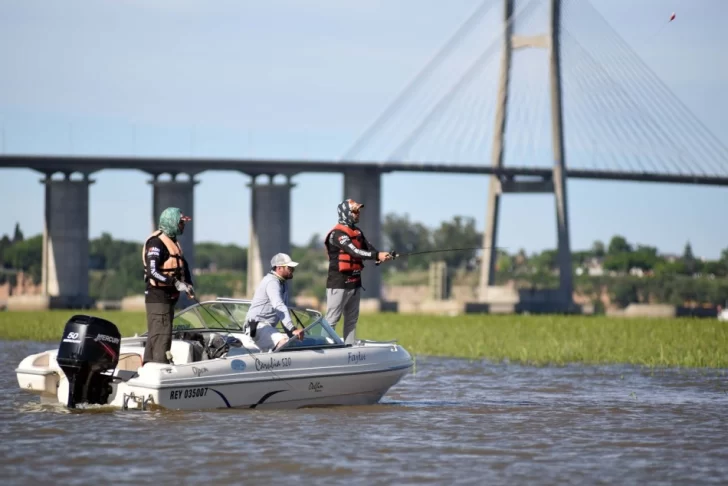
{"x":270,"y":302}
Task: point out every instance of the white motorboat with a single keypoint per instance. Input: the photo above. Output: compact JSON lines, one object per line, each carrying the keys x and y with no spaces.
{"x":215,"y":364}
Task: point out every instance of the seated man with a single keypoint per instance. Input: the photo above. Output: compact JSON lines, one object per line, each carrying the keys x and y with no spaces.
{"x":270,"y":304}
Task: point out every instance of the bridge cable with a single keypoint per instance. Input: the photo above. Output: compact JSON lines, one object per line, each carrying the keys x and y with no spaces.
{"x":697,"y":128}
{"x":652,"y":100}
{"x":585,"y":80}
{"x":624,"y":97}
{"x":442,"y":53}
{"x":679,"y":108}
{"x":597,"y":68}
{"x":467,"y":77}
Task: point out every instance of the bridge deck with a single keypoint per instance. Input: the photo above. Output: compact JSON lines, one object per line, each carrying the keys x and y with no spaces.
{"x":154,"y":165}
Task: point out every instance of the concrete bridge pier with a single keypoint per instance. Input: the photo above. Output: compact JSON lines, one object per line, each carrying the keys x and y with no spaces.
{"x":365,"y":186}
{"x":270,"y":227}
{"x":178,"y":193}
{"x":65,"y":263}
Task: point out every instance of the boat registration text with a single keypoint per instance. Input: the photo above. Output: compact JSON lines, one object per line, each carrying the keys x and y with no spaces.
{"x":188,"y":393}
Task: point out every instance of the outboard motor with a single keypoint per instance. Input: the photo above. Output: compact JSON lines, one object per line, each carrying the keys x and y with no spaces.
{"x":90,"y":346}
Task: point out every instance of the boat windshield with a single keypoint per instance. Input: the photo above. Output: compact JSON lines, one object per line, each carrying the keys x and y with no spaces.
{"x":229,"y":315}
{"x":216,"y":315}
{"x":317,"y":332}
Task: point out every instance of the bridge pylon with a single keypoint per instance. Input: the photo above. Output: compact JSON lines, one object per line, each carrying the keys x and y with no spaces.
{"x":556,"y":182}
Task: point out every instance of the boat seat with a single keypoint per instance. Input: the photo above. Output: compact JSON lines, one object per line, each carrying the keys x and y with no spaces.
{"x":249,"y":346}
{"x":249,"y":343}
{"x":245,"y":340}
{"x":182,"y":352}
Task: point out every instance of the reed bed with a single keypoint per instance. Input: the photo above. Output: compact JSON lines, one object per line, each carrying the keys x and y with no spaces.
{"x":559,"y":340}
{"x":528,"y":339}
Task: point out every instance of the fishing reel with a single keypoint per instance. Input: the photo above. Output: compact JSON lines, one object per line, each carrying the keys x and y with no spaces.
{"x":393,"y":254}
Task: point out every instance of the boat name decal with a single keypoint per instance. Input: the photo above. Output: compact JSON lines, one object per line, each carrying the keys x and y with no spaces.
{"x":188,"y":393}
{"x":317,"y":387}
{"x":356,"y":357}
{"x":199,"y":371}
{"x":274,"y":363}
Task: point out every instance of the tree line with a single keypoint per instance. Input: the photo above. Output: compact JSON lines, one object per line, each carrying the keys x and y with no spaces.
{"x":627,"y":272}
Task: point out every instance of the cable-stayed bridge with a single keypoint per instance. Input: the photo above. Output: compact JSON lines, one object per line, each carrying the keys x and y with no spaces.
{"x":531,"y":92}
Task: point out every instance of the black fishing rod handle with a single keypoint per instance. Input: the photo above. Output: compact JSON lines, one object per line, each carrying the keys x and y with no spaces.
{"x":394,"y":255}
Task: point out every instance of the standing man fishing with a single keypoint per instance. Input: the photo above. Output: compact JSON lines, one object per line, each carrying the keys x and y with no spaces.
{"x":347,"y":248}
{"x":167,"y":274}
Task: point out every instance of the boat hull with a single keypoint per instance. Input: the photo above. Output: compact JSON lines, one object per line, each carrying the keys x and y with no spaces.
{"x":322,"y":390}
{"x":356,"y":375}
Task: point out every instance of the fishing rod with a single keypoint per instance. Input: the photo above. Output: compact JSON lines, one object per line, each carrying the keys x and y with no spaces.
{"x":396,"y":254}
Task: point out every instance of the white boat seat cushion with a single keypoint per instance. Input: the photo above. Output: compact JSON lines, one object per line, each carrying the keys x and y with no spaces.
{"x":181,"y":352}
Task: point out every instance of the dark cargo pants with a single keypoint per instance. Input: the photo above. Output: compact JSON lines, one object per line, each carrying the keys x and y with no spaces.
{"x":159,"y":332}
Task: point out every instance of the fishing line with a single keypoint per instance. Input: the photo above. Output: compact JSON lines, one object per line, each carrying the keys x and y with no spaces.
{"x":396,"y":255}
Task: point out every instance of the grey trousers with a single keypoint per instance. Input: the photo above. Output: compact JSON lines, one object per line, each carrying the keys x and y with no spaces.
{"x":159,"y":332}
{"x":346,"y":302}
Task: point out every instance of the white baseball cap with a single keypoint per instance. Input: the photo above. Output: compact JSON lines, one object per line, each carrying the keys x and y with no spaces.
{"x":282,"y":260}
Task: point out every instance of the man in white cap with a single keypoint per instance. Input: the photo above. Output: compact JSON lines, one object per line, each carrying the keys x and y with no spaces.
{"x":270,"y":305}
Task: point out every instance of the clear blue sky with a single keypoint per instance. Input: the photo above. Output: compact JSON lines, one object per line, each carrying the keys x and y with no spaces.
{"x":287,"y":79}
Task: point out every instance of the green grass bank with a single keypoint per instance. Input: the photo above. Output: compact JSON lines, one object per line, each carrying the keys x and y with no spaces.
{"x":535,"y":339}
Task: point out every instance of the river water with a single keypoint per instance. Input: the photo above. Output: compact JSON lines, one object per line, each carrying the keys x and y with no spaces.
{"x":449,"y":422}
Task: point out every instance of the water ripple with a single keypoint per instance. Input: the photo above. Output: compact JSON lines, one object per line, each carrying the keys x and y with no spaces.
{"x":450,"y":422}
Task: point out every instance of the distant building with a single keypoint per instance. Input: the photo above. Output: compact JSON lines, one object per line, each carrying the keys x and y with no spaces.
{"x":594,"y":267}
{"x":636,"y":272}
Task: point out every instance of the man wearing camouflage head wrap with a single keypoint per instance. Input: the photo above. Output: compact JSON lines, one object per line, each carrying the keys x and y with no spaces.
{"x":347,"y":248}
{"x":167,"y":274}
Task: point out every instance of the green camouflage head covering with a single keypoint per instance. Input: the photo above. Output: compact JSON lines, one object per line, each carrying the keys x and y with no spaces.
{"x":169,"y":221}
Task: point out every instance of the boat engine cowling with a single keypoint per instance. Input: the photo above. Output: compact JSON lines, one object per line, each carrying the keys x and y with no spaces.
{"x":90,"y":347}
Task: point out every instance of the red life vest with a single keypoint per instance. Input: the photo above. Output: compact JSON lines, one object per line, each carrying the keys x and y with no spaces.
{"x":347,"y":263}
